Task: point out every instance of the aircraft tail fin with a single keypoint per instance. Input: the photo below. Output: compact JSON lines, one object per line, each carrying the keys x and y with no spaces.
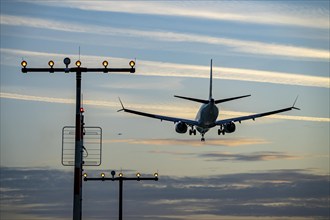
{"x":200,"y":100}
{"x":210,"y":93}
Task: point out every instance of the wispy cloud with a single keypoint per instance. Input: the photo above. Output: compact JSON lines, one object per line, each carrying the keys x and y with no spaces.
{"x":271,"y":13}
{"x":228,"y":142}
{"x":181,"y":70}
{"x":162,"y":109}
{"x":36,"y":98}
{"x":239,"y":157}
{"x":250,"y":47}
{"x":152,"y":68}
{"x":251,"y":157}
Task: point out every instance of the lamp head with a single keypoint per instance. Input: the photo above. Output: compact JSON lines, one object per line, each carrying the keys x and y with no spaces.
{"x":67,"y":61}
{"x":105,"y":63}
{"x":51,"y":63}
{"x":78,"y":63}
{"x":24,"y":63}
{"x":132,"y":63}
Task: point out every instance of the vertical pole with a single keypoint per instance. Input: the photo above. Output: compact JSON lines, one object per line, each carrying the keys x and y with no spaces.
{"x":120,"y":198}
{"x":77,"y":197}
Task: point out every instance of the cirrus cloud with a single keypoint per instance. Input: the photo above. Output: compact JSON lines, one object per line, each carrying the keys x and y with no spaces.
{"x":243,"y":46}
{"x":161,"y":109}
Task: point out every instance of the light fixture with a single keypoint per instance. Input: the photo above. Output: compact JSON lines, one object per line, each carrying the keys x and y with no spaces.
{"x":78,"y":63}
{"x":102,"y":175}
{"x":105,"y":63}
{"x":85,"y":174}
{"x":132,"y":63}
{"x":120,"y":175}
{"x":67,"y":61}
{"x":24,"y":63}
{"x":155,"y":174}
{"x":138,"y":175}
{"x":51,"y":63}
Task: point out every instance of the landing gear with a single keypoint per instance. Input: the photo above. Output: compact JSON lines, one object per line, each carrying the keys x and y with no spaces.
{"x":192,"y":131}
{"x":202,"y":139}
{"x":221,"y":130}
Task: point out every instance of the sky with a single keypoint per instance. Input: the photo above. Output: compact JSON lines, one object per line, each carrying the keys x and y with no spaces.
{"x":272,"y":168}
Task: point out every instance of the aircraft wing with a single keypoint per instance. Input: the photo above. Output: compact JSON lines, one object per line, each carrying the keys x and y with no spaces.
{"x":254,"y":116}
{"x":160,"y":117}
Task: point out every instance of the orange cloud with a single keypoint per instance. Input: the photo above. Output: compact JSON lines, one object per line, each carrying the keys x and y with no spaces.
{"x":228,"y":142}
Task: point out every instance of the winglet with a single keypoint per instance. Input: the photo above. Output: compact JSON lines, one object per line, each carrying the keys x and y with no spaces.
{"x":293,"y":106}
{"x":122,"y":106}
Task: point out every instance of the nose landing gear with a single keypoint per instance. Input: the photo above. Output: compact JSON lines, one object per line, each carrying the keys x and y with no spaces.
{"x":202,"y":139}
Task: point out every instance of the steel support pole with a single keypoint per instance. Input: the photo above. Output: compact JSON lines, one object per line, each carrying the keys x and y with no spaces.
{"x":77,"y":197}
{"x":121,"y":199}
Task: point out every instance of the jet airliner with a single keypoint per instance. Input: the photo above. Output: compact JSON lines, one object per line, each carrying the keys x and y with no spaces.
{"x":207,"y":115}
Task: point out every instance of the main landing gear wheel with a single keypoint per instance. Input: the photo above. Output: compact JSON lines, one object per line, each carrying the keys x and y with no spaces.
{"x":221,"y":130}
{"x":192,"y":131}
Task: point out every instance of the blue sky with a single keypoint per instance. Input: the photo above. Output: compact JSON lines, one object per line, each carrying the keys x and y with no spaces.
{"x":273,"y":50}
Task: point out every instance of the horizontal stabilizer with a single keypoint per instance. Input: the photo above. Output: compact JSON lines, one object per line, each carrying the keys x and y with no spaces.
{"x":193,"y":99}
{"x":230,"y":99}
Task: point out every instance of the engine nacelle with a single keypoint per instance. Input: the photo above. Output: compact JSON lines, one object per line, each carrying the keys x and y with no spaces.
{"x":230,"y":127}
{"x":181,"y":127}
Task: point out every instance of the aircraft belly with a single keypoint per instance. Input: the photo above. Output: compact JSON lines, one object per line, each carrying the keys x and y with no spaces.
{"x":208,"y":116}
{"x":202,"y":130}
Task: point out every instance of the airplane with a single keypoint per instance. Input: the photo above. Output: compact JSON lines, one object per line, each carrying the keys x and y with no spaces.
{"x":207,"y":115}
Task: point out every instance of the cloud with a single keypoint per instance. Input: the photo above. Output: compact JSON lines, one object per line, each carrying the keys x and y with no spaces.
{"x":252,"y":157}
{"x":283,"y":194}
{"x":238,"y":157}
{"x":152,"y":68}
{"x":36,"y":98}
{"x":228,"y":142}
{"x":242,"y":46}
{"x":243,"y":12}
{"x":160,"y":109}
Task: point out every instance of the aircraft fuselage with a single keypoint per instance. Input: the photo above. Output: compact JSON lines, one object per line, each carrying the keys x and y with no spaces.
{"x":207,"y":116}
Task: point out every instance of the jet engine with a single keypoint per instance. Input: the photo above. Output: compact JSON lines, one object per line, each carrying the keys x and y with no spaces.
{"x":181,"y":127}
{"x":230,"y":127}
